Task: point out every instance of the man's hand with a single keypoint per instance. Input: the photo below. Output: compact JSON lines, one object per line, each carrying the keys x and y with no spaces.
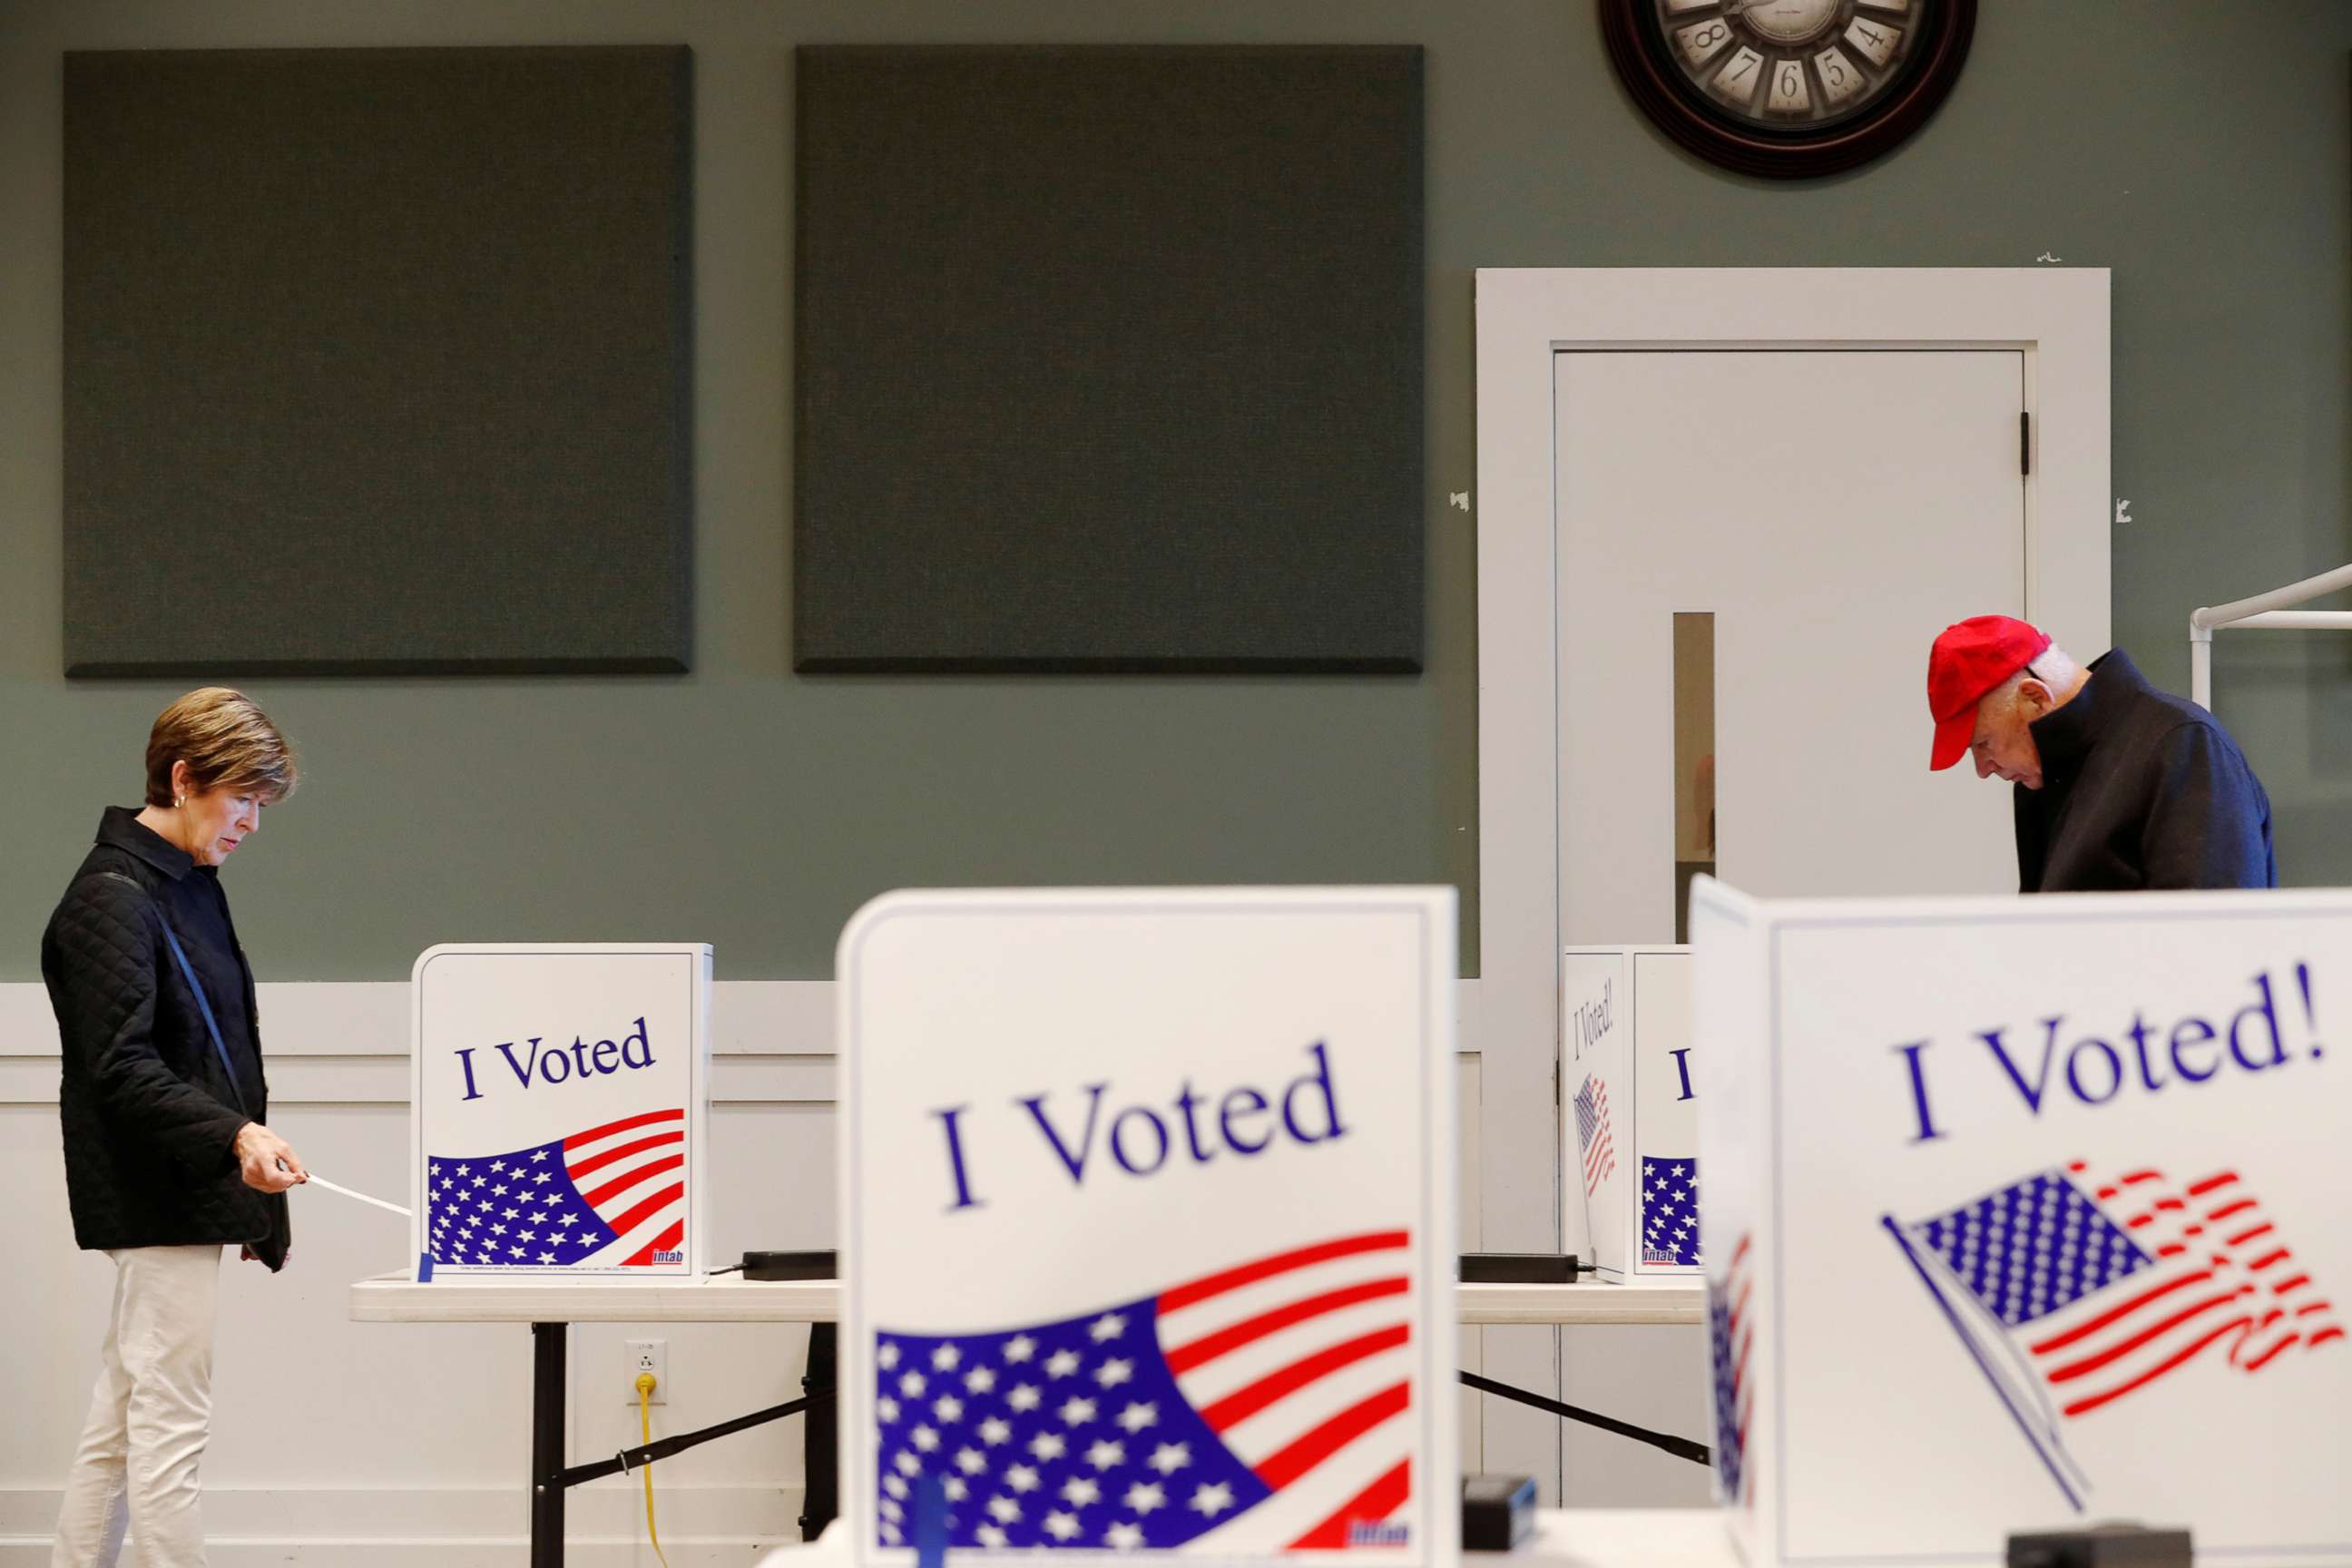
{"x":269,"y":1162}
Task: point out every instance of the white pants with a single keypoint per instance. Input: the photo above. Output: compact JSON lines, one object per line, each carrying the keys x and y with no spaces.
{"x":149,"y":1416}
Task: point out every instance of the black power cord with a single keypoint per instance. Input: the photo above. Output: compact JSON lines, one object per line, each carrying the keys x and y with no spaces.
{"x":1680,"y":1447}
{"x":627,"y":1460}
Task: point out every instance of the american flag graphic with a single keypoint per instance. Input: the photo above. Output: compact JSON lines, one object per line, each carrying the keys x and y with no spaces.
{"x":1669,"y":1210}
{"x":1731,"y":1335}
{"x":610,"y":1196}
{"x":2075,"y":1289}
{"x":1592,"y":1139}
{"x":1268,"y":1403}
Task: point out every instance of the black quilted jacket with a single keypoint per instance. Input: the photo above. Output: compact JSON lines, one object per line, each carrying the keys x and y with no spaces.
{"x":149,"y":1115}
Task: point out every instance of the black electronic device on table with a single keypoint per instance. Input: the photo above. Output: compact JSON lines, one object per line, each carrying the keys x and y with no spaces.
{"x":1499,"y":1512}
{"x":1519,"y":1268}
{"x":2101,"y":1546}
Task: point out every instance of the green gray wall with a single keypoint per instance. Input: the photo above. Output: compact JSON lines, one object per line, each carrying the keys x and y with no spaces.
{"x":2203,"y":152}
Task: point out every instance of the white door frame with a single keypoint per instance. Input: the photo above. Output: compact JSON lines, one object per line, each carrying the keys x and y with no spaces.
{"x":2057,"y":317}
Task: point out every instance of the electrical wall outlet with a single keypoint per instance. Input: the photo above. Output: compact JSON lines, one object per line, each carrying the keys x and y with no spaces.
{"x":647,"y":1356}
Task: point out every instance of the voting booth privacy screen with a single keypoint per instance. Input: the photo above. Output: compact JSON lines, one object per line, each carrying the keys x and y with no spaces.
{"x":1148,"y":1223}
{"x":559,"y":1097}
{"x":1629,"y":1120}
{"x":2027,"y":1213}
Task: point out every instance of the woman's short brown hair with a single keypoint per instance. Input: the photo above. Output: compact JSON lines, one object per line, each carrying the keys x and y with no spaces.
{"x":227,"y":743}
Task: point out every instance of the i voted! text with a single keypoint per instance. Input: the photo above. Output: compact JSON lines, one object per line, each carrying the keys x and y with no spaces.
{"x":2056,"y":1061}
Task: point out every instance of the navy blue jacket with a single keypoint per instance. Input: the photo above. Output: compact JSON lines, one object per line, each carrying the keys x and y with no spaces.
{"x":149,"y":1113}
{"x":2140,"y":789}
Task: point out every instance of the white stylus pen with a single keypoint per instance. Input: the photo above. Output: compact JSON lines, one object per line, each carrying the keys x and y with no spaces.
{"x":318,"y":1181}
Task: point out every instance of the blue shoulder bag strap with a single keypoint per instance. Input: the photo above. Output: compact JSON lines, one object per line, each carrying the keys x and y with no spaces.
{"x":204,"y":1002}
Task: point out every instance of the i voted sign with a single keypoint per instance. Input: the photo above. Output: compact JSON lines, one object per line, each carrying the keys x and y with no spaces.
{"x":2026,"y":1214}
{"x":1629,"y":1092}
{"x":1147,"y":1219}
{"x":559,"y":1097}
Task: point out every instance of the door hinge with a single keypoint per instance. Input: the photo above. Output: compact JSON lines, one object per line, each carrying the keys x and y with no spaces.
{"x":2024,"y":442}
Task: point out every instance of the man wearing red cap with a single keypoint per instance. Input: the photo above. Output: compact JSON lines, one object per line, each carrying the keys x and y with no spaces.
{"x":2119,"y":786}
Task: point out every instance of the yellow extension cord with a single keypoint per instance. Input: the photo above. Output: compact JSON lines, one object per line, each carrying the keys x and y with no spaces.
{"x":645,"y":1424}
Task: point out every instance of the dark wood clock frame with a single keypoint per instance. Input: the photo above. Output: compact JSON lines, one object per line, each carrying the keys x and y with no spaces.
{"x":1637,"y":46}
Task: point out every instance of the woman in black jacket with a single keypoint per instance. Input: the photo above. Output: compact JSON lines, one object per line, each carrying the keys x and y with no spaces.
{"x":162,"y":1102}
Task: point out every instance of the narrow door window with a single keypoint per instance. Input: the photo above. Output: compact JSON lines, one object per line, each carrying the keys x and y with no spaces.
{"x":1694,"y":758}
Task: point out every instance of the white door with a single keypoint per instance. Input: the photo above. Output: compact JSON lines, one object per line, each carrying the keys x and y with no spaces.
{"x":1832,"y":511}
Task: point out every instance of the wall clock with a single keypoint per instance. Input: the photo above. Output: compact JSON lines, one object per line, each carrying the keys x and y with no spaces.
{"x":1788,"y":87}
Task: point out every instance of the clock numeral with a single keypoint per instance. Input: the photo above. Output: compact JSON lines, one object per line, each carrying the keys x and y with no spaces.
{"x":1737,"y":81}
{"x":1702,"y":42}
{"x":1789,"y":95}
{"x":1841,"y":78}
{"x":1874,"y":40}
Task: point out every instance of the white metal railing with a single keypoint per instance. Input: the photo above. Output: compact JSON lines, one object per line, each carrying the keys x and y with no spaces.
{"x":2262,"y":612}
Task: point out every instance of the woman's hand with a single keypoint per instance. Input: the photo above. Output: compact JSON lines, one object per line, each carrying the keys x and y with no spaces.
{"x":268,"y":1162}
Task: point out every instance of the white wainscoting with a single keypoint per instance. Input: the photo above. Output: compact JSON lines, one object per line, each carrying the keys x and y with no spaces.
{"x":387,"y":1446}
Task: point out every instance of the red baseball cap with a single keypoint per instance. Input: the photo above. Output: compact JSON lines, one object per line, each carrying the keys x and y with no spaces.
{"x":1969,"y":660}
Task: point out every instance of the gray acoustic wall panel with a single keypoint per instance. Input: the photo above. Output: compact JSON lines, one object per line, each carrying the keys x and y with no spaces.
{"x":1109,"y":358}
{"x":377,"y":361}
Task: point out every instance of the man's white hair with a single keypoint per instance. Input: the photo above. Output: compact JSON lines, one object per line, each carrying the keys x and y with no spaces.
{"x":2051,"y":667}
